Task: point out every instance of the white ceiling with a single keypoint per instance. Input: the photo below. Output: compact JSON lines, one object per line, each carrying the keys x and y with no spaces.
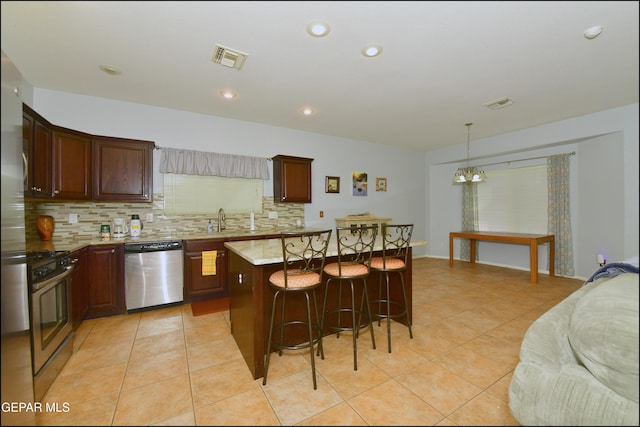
{"x":441,"y":61}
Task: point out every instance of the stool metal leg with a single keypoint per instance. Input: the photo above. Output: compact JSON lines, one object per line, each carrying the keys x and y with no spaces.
{"x":273,"y":314}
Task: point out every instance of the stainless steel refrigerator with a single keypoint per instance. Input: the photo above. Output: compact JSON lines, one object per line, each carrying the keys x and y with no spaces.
{"x":17,"y":374}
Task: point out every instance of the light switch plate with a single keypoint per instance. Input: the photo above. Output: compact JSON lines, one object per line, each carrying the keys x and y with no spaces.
{"x":273,"y":215}
{"x":73,"y":218}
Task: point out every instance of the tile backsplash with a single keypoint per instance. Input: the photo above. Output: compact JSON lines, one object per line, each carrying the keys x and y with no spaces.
{"x":91,"y":215}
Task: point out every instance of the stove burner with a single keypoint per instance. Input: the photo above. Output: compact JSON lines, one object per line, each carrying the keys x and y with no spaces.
{"x":41,"y":265}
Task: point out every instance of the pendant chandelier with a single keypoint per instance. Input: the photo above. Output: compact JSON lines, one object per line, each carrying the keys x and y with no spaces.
{"x":468,"y":174}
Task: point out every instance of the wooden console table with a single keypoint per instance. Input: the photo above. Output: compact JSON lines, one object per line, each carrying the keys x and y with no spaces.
{"x":533,"y":240}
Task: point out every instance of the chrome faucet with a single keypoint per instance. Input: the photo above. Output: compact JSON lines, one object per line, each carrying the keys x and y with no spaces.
{"x":221,"y":220}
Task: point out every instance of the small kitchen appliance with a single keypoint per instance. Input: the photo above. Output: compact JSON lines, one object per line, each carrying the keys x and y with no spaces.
{"x":119,"y":229}
{"x":135,"y":226}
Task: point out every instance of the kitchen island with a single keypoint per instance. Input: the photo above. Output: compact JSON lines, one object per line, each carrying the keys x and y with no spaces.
{"x":251,"y":262}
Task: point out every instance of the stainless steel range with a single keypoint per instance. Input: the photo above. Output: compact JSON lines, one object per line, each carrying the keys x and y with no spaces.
{"x":49,"y":279}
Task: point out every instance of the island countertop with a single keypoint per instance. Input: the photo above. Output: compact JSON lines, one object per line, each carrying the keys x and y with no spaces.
{"x":269,"y":251}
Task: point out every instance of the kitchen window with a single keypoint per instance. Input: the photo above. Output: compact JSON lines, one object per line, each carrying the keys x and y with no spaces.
{"x":199,"y":194}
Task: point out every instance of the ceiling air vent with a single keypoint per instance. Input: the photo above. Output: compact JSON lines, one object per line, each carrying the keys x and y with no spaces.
{"x":498,"y":103}
{"x":229,"y":57}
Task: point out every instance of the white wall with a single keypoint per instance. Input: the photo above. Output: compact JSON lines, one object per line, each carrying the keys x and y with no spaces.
{"x":604,"y":186}
{"x":404,"y":200}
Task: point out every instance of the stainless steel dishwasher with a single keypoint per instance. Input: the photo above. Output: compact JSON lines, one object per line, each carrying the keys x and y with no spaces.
{"x":153,"y":274}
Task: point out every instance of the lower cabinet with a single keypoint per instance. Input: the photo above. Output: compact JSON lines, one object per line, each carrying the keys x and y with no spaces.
{"x":198,"y":287}
{"x":79,"y":287}
{"x":106,"y":281}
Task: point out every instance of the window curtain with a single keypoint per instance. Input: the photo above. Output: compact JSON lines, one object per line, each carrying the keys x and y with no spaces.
{"x":191,"y":162}
{"x":559,"y":222}
{"x":469,"y":217}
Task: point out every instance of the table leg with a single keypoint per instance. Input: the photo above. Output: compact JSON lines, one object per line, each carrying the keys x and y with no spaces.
{"x":472,"y":251}
{"x":450,"y":250}
{"x":533,"y":260}
{"x":552,"y":257}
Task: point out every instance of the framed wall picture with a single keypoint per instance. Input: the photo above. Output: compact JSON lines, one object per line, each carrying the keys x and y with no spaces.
{"x":381,"y":184}
{"x":360,"y":185}
{"x":332,"y":184}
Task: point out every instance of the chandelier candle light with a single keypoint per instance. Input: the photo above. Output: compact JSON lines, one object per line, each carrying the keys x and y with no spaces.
{"x":468,"y":174}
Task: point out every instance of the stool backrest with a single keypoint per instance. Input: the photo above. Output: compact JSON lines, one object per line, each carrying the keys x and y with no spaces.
{"x":304,"y":252}
{"x":355,"y":244}
{"x":396,"y":239}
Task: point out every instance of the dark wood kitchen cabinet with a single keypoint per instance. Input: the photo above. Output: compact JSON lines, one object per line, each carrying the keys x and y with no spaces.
{"x":196,"y":286}
{"x":79,"y":287}
{"x":37,"y":154}
{"x":122,"y":170}
{"x":291,"y":179}
{"x":106,"y":280}
{"x":71,"y":165}
{"x":65,"y":164}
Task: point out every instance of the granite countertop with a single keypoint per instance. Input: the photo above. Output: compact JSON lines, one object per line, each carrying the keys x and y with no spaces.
{"x":269,"y":251}
{"x":75,"y":243}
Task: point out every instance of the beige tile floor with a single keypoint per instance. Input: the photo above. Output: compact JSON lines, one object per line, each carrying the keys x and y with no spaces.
{"x":166,"y":367}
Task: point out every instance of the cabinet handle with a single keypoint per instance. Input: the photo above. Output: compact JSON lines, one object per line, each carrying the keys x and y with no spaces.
{"x":25,"y":169}
{"x":113,"y":251}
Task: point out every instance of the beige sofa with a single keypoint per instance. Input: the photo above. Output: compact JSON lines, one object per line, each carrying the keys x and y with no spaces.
{"x":579,"y":361}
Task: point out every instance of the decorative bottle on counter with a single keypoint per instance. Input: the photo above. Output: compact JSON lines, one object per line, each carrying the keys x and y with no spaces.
{"x":210,"y":227}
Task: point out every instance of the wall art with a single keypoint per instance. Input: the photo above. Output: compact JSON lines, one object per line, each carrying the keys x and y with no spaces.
{"x":332,"y":184}
{"x":360,"y":184}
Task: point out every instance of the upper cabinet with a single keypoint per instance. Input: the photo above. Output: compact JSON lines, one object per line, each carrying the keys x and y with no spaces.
{"x":71,"y":165}
{"x":37,"y":154}
{"x":291,"y":179}
{"x":122,"y":169}
{"x":64,"y":164}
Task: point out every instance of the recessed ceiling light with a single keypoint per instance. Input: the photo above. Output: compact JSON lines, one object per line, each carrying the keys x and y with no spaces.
{"x":372,"y":50}
{"x":112,"y":71}
{"x":227,"y":94}
{"x":308,"y":111}
{"x":318,"y":29}
{"x":593,"y":32}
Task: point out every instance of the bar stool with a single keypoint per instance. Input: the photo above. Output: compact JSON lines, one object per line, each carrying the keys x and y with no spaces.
{"x":355,"y":248}
{"x":304,"y":255}
{"x":396,"y":239}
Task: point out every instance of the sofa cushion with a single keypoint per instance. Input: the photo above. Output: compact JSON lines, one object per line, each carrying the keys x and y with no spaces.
{"x":603,"y":333}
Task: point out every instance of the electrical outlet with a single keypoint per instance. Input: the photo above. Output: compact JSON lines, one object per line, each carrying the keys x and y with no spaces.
{"x":273,"y":215}
{"x":149,"y":217}
{"x":73,"y":218}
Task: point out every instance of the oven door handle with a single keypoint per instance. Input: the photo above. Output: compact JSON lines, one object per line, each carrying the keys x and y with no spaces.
{"x":49,"y":283}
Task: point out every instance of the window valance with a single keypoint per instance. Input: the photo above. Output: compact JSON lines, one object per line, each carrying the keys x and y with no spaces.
{"x":192,"y":162}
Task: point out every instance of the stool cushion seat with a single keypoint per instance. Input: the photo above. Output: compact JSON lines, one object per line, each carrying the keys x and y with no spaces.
{"x":295,"y":278}
{"x":347,"y":270}
{"x":391,"y":264}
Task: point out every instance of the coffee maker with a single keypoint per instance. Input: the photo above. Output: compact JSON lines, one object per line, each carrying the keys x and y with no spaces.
{"x":118,"y":228}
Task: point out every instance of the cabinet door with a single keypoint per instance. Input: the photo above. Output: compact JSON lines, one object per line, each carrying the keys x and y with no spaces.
{"x":37,"y":141}
{"x":196,"y":286}
{"x":106,"y":281}
{"x":71,"y":165}
{"x":292,"y":179}
{"x":122,"y":170}
{"x":79,"y":287}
